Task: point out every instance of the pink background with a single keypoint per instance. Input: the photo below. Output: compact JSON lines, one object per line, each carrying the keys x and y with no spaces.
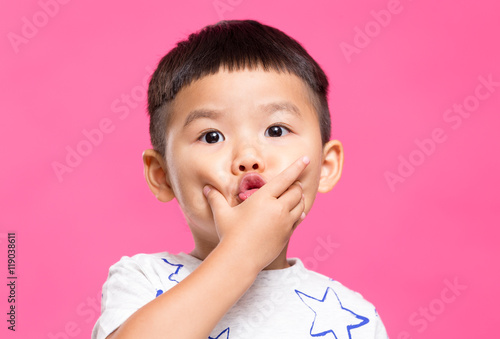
{"x":401,"y":244}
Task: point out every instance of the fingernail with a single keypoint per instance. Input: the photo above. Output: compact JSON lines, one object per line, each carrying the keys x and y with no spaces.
{"x":303,"y":216}
{"x":299,"y":183}
{"x":206,"y":189}
{"x":306,"y":160}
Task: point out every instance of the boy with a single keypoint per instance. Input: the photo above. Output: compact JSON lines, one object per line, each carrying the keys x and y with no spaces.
{"x":240,"y":126}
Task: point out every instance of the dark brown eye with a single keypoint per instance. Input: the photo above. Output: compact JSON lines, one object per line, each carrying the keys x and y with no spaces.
{"x":212,"y":137}
{"x":276,"y":131}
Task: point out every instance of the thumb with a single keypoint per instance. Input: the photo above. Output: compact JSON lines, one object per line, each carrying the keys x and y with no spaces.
{"x":215,"y":199}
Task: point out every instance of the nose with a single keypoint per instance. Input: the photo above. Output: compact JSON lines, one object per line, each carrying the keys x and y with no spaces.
{"x":246,"y":160}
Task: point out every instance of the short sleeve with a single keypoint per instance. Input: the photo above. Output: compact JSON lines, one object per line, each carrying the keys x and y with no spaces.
{"x":125,"y":291}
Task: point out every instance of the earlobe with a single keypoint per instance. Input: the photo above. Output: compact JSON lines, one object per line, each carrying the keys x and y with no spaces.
{"x":331,"y":167}
{"x":156,"y":175}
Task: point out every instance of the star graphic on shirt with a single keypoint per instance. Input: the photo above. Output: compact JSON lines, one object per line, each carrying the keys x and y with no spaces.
{"x":330,"y":316}
{"x":219,"y":336}
{"x":179,"y":266}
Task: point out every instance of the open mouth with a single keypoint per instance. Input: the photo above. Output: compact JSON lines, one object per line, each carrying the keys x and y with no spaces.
{"x":249,"y":184}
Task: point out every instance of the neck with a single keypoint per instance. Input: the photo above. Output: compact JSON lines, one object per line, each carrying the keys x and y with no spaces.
{"x":280,"y":262}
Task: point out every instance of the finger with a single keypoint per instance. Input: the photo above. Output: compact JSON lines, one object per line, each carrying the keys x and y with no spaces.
{"x":282,"y":181}
{"x":297,"y":214}
{"x":291,"y":197}
{"x":215,"y":199}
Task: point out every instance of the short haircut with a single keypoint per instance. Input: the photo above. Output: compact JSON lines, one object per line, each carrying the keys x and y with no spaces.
{"x":234,"y":45}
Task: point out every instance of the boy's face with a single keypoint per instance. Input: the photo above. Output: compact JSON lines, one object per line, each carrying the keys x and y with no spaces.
{"x":229,"y":124}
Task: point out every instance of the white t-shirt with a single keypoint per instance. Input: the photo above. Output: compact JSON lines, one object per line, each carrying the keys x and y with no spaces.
{"x":287,"y":303}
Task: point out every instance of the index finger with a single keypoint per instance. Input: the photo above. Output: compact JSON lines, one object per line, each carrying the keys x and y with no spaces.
{"x":287,"y":177}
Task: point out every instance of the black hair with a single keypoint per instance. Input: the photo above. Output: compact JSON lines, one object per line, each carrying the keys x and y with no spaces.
{"x":235,"y":45}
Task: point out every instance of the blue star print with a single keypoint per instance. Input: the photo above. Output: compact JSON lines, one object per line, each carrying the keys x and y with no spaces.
{"x":226,"y":331}
{"x":179,"y":266}
{"x":330,"y":316}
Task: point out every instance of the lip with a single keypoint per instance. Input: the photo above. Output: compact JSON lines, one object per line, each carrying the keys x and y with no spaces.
{"x":249,"y":184}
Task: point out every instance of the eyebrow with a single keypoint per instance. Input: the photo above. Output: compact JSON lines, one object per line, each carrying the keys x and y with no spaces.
{"x":280,"y":106}
{"x":266,"y":108}
{"x":202,"y":113}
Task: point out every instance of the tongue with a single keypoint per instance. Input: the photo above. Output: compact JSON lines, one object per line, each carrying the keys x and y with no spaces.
{"x":245,"y":195}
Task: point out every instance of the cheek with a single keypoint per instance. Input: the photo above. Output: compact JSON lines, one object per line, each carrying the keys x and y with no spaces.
{"x":194,"y":203}
{"x":218,"y":177}
{"x":189,"y":194}
{"x":195,"y":175}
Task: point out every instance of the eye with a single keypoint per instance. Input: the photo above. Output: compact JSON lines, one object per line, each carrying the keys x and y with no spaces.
{"x":277,"y":131}
{"x":211,"y":137}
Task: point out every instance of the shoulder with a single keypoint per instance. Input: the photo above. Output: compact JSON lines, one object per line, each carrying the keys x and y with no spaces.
{"x":141,"y":259}
{"x":160,"y":267}
{"x":134,"y":281}
{"x":322,"y":282}
{"x":327,"y":298}
{"x":151,"y":260}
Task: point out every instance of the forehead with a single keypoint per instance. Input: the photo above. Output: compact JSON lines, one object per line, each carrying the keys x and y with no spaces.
{"x":235,"y":91}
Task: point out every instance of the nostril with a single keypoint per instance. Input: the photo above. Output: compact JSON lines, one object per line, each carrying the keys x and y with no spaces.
{"x":243,"y":168}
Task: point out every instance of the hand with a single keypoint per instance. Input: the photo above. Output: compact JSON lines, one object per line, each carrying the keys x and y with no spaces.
{"x":260,"y":227}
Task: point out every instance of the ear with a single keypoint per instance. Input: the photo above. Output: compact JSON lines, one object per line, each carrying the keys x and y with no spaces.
{"x":156,"y":175}
{"x":331,"y":167}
